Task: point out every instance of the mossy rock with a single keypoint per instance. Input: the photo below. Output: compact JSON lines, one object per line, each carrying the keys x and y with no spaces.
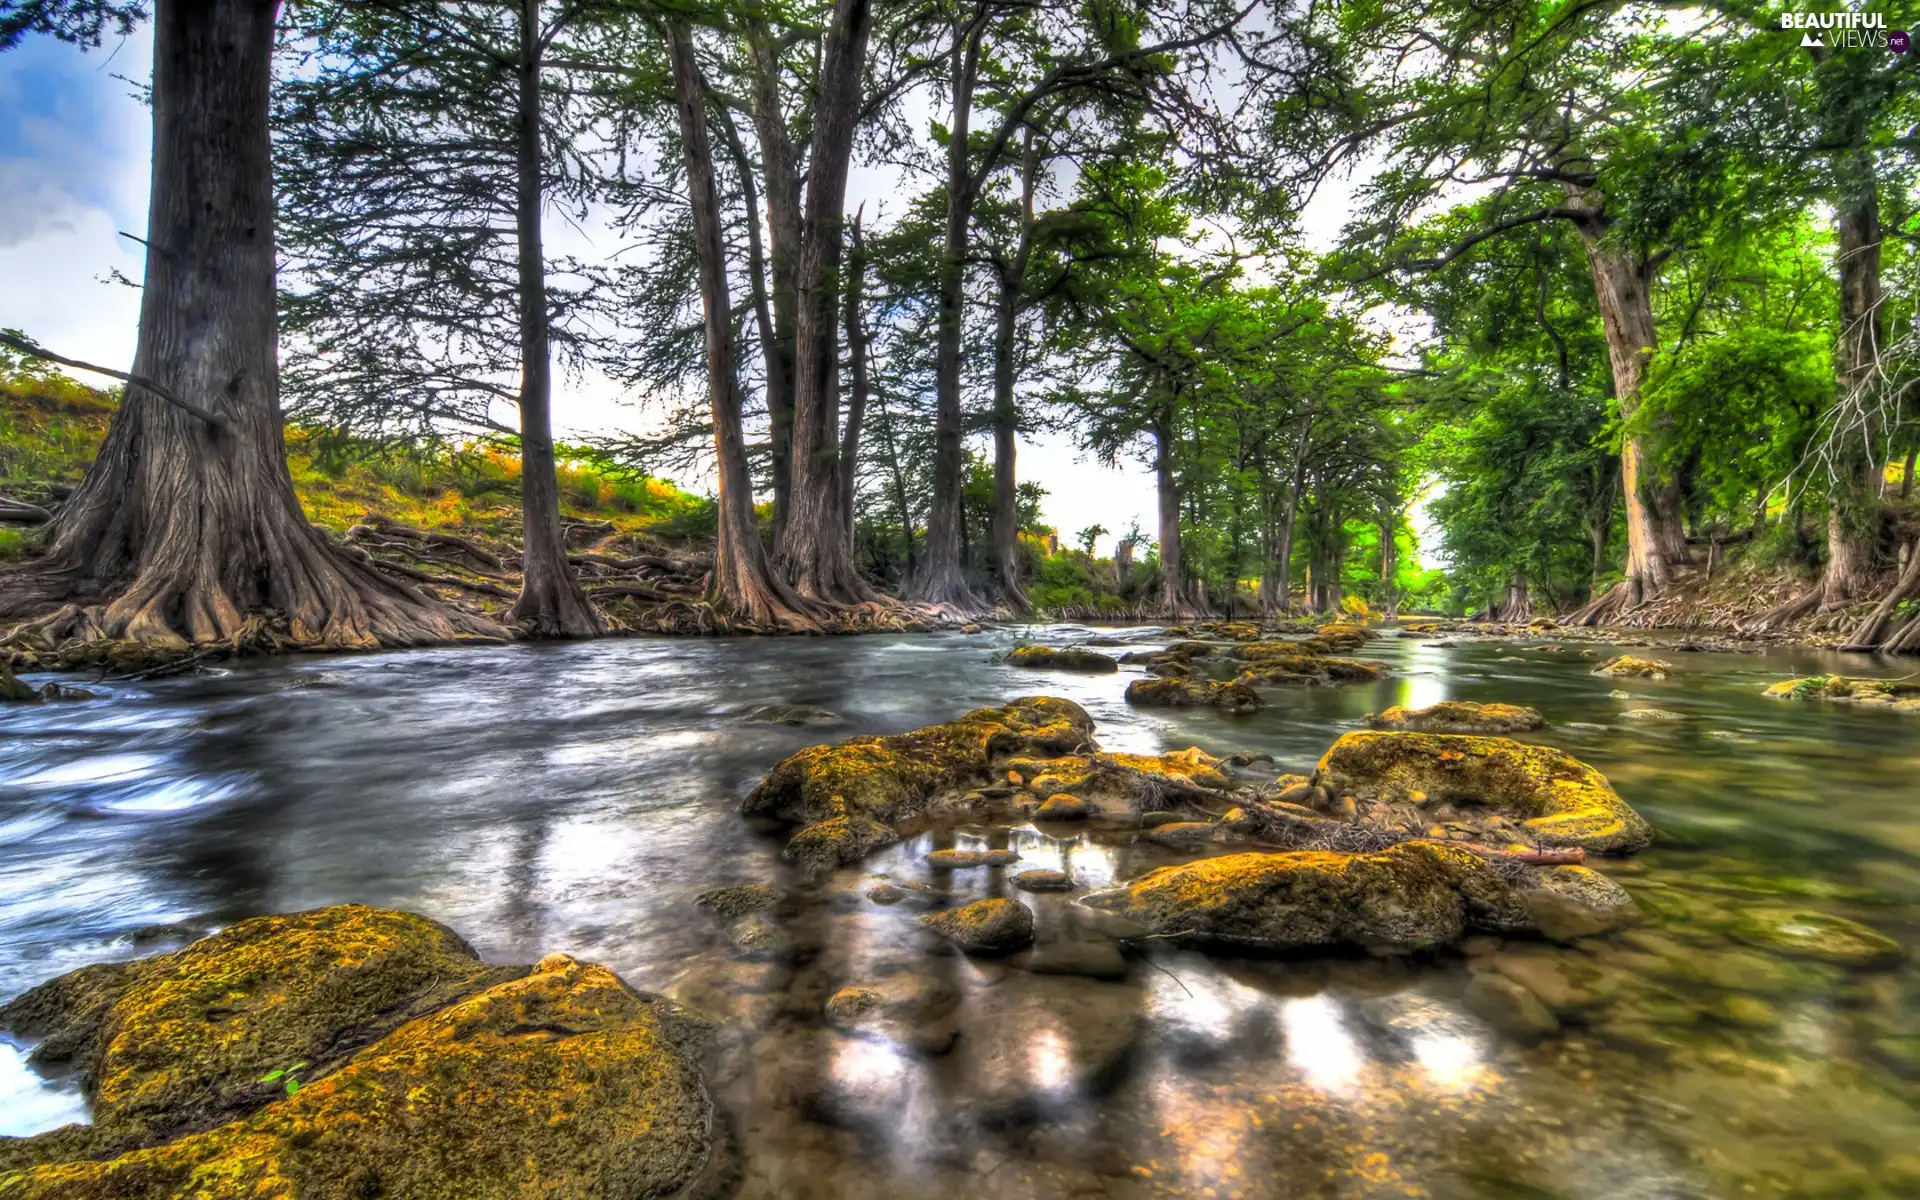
{"x":179,"y":1042}
{"x":1234,"y":695}
{"x":1628,"y":667}
{"x":846,"y":794}
{"x":996,"y":926}
{"x":1238,"y":631}
{"x":1071,"y":659}
{"x":1411,"y":894}
{"x":1460,"y":716}
{"x":1899,"y":695}
{"x":1119,"y":779}
{"x":1558,"y":800}
{"x":563,"y":1082}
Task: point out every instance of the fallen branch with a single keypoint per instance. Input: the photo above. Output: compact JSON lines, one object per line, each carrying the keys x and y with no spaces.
{"x":485,"y":589}
{"x":19,"y":512}
{"x":218,"y":420}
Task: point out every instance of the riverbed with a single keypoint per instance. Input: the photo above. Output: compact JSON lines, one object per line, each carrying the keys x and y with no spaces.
{"x":577,"y":798}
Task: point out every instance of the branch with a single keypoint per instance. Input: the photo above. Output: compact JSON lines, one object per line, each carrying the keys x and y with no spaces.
{"x":219,"y":421}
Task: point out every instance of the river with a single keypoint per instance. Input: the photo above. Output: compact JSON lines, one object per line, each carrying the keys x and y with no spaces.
{"x":576,"y":797}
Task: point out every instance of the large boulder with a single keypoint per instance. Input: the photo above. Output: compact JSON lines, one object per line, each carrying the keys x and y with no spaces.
{"x":847,"y":795}
{"x":557,"y":1081}
{"x":1459,"y":716}
{"x":1070,"y":659}
{"x":1410,"y":894}
{"x":1556,"y":800}
{"x":179,"y":1042}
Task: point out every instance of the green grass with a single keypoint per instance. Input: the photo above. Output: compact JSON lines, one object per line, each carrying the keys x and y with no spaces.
{"x":50,"y":427}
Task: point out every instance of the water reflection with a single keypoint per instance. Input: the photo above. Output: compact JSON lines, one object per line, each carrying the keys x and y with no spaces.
{"x":577,"y":797}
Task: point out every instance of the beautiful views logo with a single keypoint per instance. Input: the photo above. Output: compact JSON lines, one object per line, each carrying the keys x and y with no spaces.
{"x":1845,"y":30}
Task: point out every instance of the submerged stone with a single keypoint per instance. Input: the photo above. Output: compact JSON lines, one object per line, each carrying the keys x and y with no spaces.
{"x":1557,"y":800}
{"x":1460,"y":716}
{"x":1815,"y":935}
{"x":1509,"y":1007}
{"x":1070,"y":659}
{"x":995,"y":926}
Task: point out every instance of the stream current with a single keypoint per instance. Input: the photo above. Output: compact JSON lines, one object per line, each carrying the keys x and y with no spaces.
{"x":577,"y":798}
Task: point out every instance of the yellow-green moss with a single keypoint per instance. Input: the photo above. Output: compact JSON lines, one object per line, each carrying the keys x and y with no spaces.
{"x":1071,"y":659}
{"x":1234,"y":695}
{"x":1628,"y":667}
{"x":184,"y":1038}
{"x":1559,"y":800}
{"x":1460,"y":716}
{"x":561,"y":1083}
{"x":1900,"y":695}
{"x":884,"y":778}
{"x":1409,"y":894}
{"x":1118,"y":776}
{"x":985,"y":926}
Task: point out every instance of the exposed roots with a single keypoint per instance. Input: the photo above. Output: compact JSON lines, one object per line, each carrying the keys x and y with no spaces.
{"x":1608,"y":607}
{"x":1783,"y":614}
{"x":1874,"y":632}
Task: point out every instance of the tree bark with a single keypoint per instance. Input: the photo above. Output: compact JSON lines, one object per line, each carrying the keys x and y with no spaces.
{"x":856,"y":368}
{"x":781,"y":167}
{"x":1006,"y":413}
{"x":551,"y":603}
{"x":815,"y":547}
{"x":1656,"y":535}
{"x":181,"y":531}
{"x":1853,"y":506}
{"x":941,"y":579}
{"x":741,"y":582}
{"x":1174,"y":597}
{"x":1276,"y":582}
{"x":1389,"y":565}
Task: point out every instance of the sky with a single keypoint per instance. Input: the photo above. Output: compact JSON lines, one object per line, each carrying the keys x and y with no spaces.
{"x":74,"y":160}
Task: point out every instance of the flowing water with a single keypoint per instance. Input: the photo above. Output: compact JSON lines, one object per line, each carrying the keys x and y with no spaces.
{"x":540,"y":798}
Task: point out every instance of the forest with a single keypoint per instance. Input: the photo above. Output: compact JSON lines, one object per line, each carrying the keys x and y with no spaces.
{"x":1614,"y":322}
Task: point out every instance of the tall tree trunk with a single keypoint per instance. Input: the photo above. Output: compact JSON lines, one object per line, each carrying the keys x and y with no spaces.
{"x":1853,"y":508}
{"x":815,"y":546}
{"x":1656,"y":535}
{"x":551,"y":603}
{"x":898,"y":480}
{"x":1389,"y":564}
{"x":1006,"y":495}
{"x":182,"y":530}
{"x":741,"y":583}
{"x":857,"y":370}
{"x":1276,"y":583}
{"x":1174,"y":595}
{"x":941,"y":579}
{"x":780,"y":164}
{"x":1006,"y":413}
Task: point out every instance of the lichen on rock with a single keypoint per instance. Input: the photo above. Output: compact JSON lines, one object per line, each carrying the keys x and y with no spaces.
{"x":1899,"y":695}
{"x":482,"y":1082}
{"x":1555,"y":799}
{"x":1234,"y":695}
{"x":1460,"y":716}
{"x":996,"y":926}
{"x":1413,"y":893}
{"x":1072,"y":658}
{"x":1628,"y":667}
{"x":846,"y":795}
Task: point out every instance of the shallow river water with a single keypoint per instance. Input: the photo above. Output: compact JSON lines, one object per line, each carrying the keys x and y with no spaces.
{"x":541,"y":798}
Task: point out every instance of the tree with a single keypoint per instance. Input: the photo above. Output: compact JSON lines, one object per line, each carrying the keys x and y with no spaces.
{"x":1568,"y":114}
{"x":185,"y":530}
{"x":741,"y":581}
{"x":418,"y":153}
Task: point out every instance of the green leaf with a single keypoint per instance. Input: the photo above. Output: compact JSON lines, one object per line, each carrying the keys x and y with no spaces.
{"x":270,"y":1076}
